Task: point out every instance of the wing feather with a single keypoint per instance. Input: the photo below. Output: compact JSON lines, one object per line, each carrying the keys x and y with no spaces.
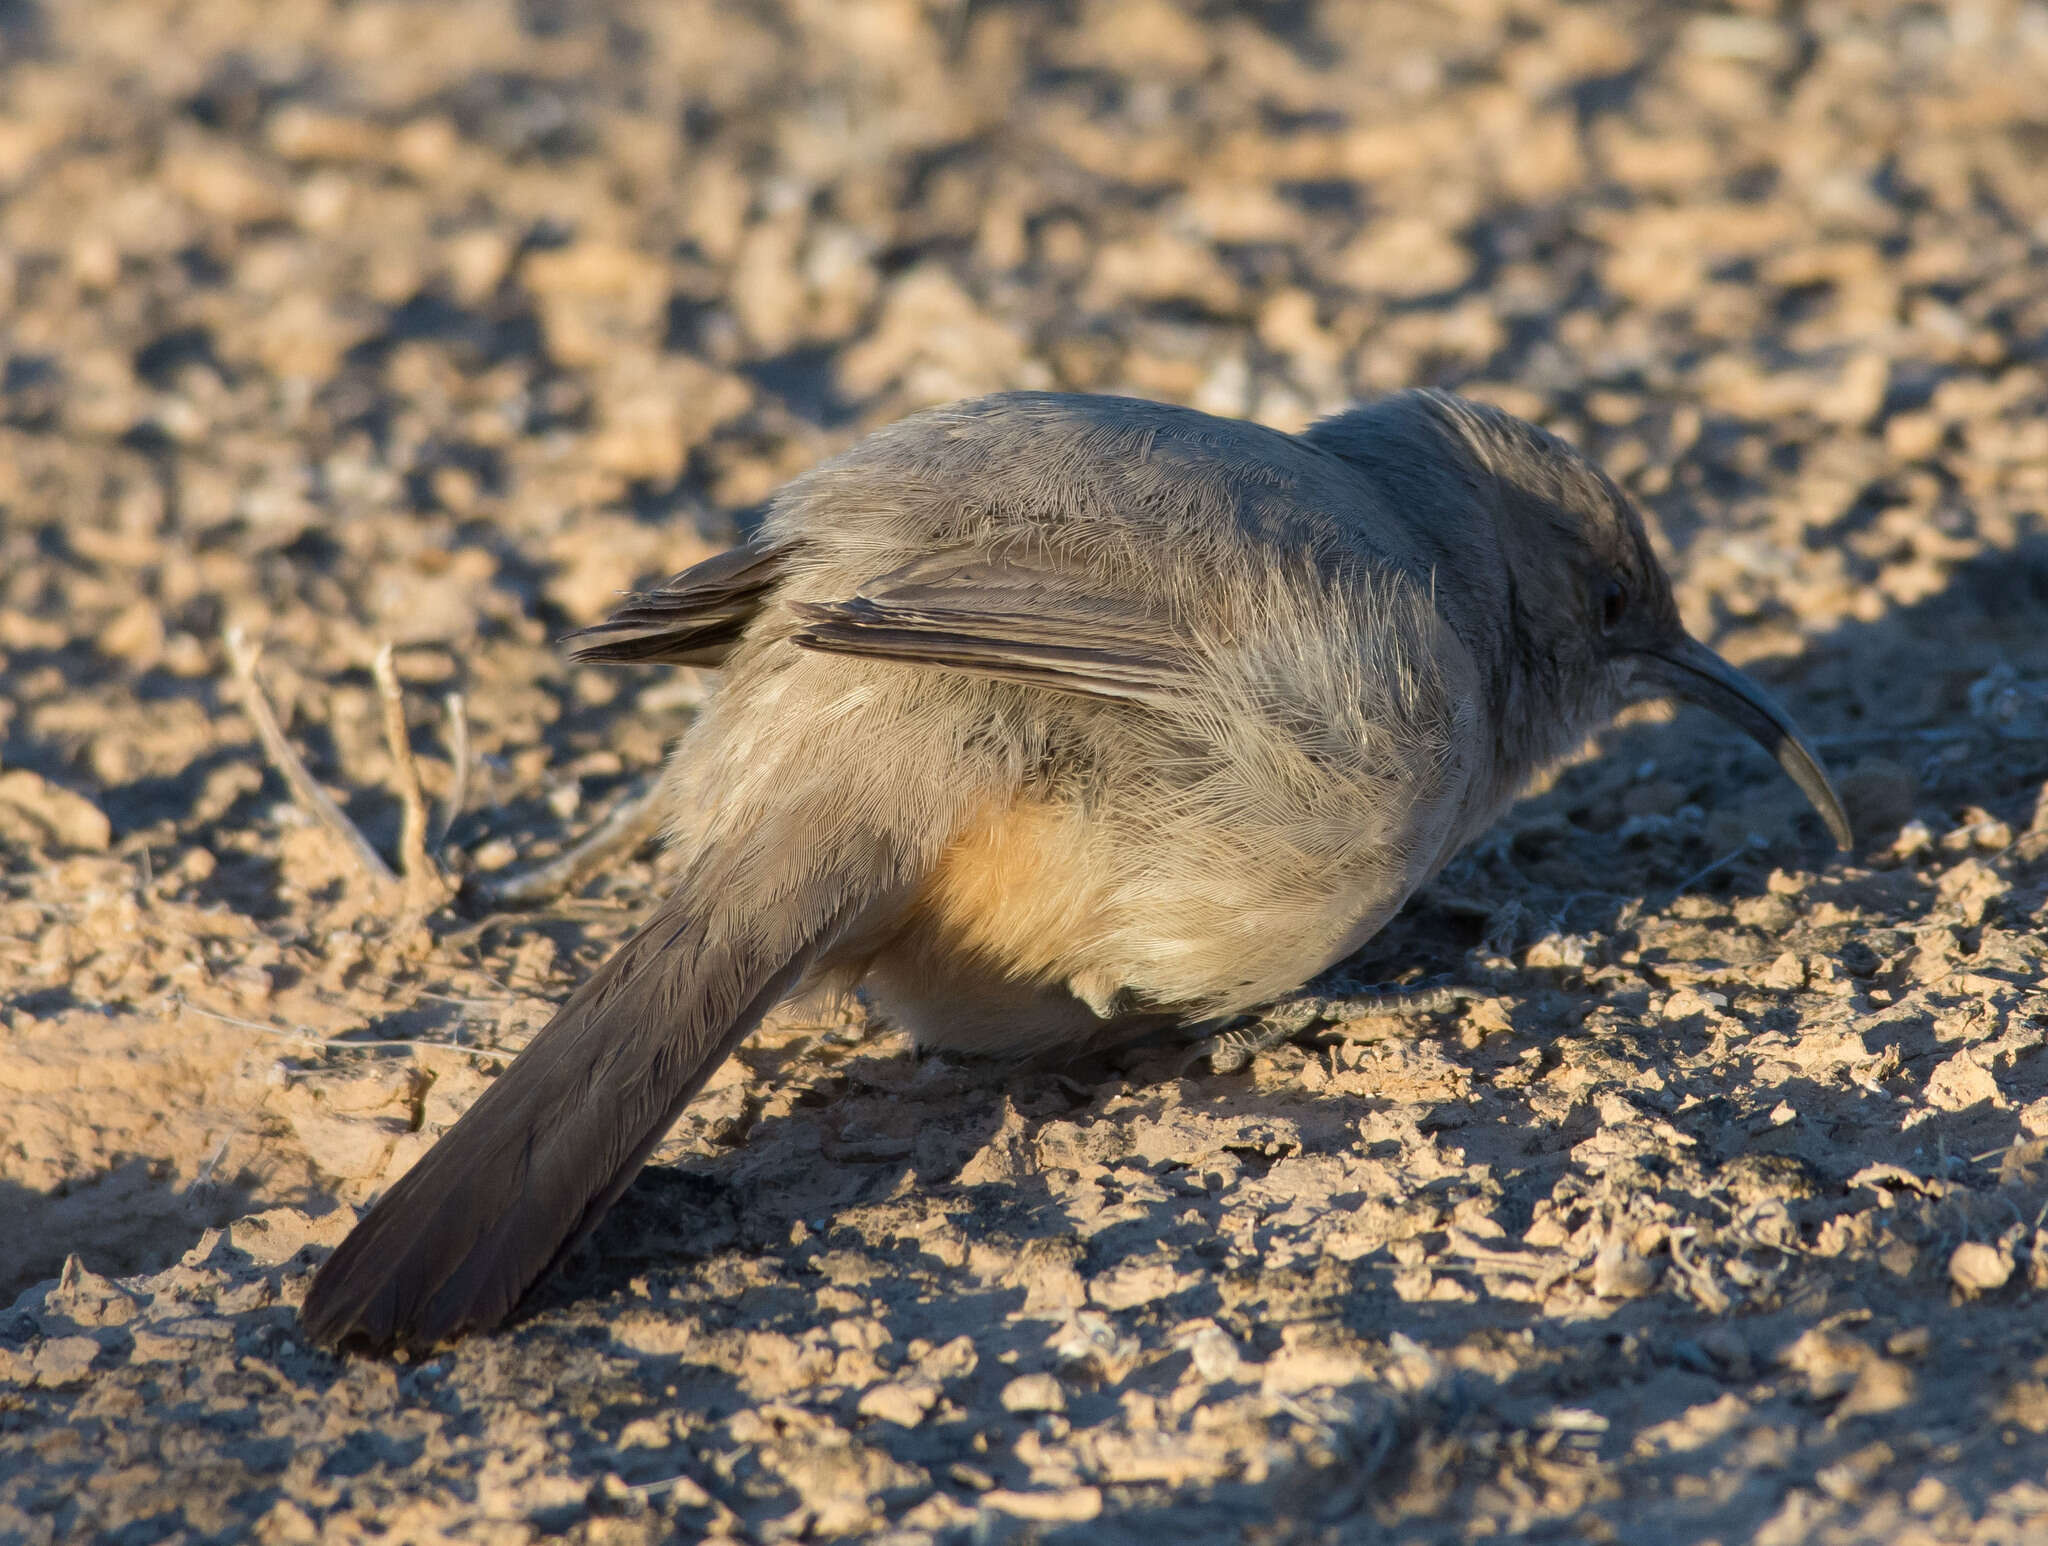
{"x":1009,"y":620}
{"x":693,"y":619}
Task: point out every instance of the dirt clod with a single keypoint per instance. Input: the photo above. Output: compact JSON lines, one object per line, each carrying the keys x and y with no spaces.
{"x":1978,"y":1268}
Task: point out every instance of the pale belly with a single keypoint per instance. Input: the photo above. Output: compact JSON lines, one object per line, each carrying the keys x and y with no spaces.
{"x":1037,"y":932}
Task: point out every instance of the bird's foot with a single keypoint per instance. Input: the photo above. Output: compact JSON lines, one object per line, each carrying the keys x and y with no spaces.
{"x":1403,"y":1002}
{"x":1231,"y":1048}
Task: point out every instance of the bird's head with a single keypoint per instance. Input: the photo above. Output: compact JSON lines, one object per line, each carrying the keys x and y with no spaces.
{"x":1590,"y":609}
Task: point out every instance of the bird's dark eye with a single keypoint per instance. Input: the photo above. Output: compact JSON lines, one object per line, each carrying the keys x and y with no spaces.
{"x":1613,"y":603}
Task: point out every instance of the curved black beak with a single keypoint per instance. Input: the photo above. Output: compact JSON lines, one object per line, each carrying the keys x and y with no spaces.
{"x":1688,"y":669}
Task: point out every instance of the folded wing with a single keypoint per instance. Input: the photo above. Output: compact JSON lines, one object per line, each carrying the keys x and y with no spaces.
{"x":1012,"y":620}
{"x":692,"y":620}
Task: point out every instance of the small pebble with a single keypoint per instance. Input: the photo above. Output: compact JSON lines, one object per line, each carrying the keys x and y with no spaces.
{"x":494,"y":855}
{"x":1034,"y":1393}
{"x":1977,"y":1268}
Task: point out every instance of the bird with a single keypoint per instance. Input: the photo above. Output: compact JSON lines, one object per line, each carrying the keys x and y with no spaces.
{"x":1047,"y":720}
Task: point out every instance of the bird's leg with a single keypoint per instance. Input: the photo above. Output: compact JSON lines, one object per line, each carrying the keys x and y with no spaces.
{"x":1232,"y":1044}
{"x":1434,"y":999}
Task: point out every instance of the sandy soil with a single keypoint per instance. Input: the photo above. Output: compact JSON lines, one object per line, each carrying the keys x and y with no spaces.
{"x":1726,"y":1218}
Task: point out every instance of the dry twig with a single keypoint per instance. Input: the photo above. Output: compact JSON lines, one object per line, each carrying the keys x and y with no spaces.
{"x":631,"y":822}
{"x":459,"y":756}
{"x":242,"y":656}
{"x":334,"y":1044}
{"x":424,"y":883}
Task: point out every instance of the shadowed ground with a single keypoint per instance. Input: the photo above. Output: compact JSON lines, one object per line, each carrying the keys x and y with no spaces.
{"x":1722,"y":1220}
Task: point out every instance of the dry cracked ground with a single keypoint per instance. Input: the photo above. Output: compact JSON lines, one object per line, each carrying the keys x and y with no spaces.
{"x":1723,"y":1217}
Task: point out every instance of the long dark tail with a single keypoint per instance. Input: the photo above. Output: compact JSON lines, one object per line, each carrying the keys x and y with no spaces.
{"x":533,"y":1165}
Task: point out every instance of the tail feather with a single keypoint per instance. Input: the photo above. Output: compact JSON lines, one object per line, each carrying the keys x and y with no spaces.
{"x":531,"y":1167}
